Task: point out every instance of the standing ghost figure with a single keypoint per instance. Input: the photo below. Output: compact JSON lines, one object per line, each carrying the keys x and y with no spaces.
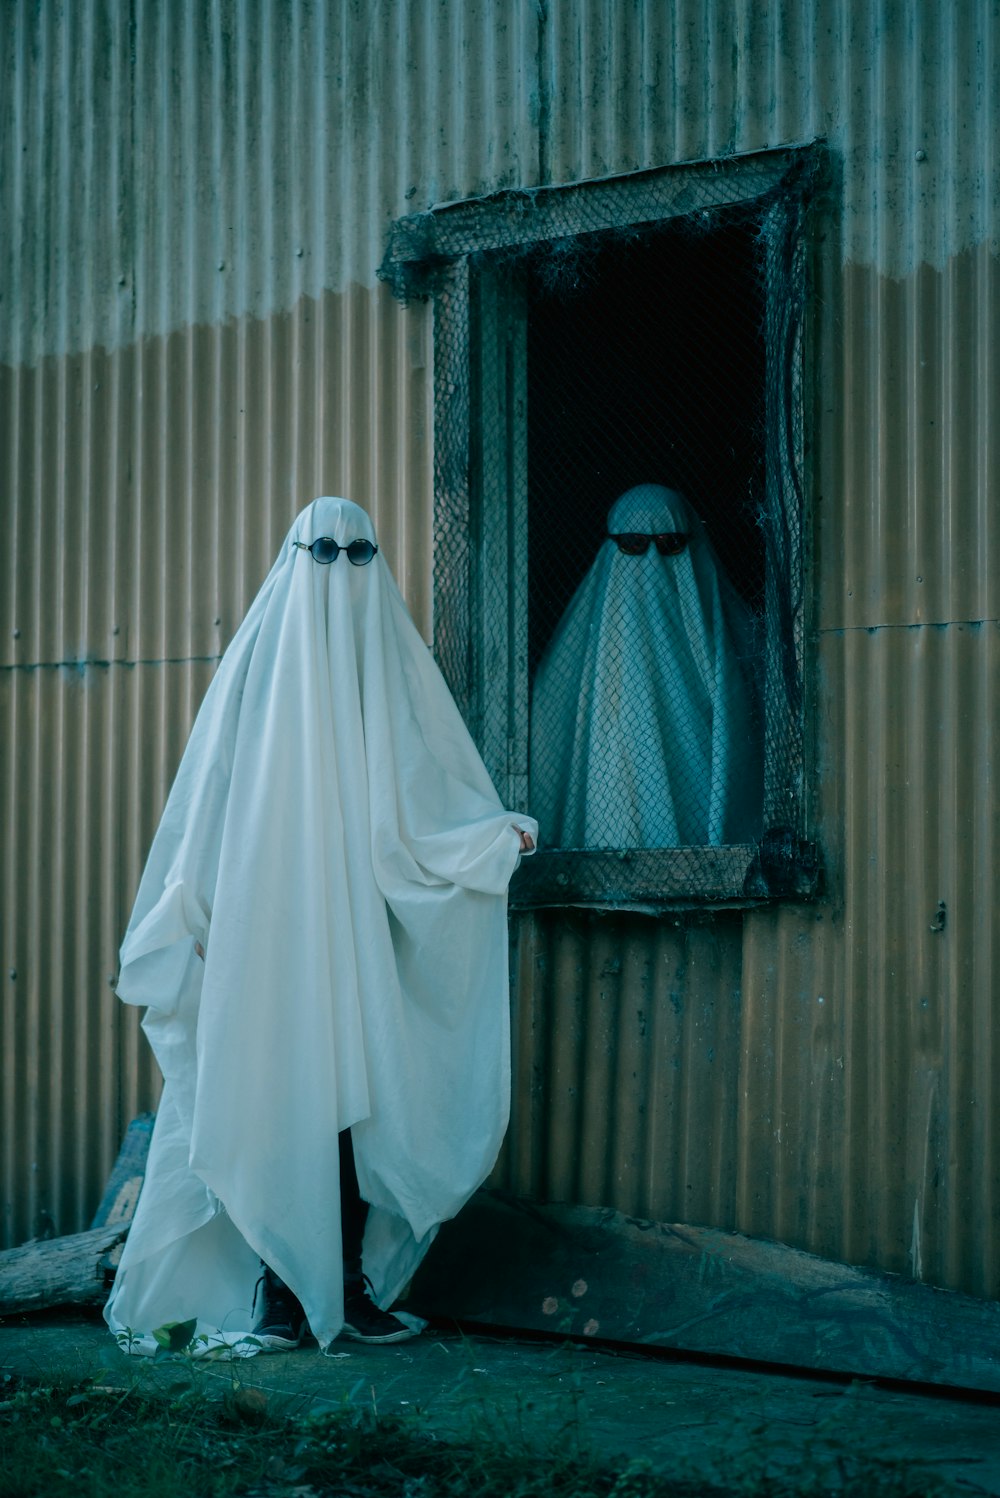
{"x":643,"y":732}
{"x":334,"y":847}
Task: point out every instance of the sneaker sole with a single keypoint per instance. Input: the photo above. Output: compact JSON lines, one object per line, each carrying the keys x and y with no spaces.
{"x":272,"y":1342}
{"x":403,"y":1335}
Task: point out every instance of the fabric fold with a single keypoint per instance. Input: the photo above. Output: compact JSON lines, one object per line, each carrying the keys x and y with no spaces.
{"x":334,"y":843}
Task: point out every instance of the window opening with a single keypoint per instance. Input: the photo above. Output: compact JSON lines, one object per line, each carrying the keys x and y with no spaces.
{"x":648,"y":365}
{"x":588,"y":340}
{"x":646,"y":375}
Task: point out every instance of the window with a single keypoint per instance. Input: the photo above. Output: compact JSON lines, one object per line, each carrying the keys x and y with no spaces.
{"x":625,"y":356}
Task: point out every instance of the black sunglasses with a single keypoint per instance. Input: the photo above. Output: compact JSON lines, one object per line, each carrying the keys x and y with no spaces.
{"x":325,"y":550}
{"x":636,"y":543}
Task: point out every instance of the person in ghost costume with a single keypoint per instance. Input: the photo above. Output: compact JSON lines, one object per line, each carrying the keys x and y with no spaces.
{"x":320,"y":941}
{"x":643,"y":728}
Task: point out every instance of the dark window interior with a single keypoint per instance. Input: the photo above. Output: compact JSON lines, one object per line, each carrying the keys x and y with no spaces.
{"x":645,"y":364}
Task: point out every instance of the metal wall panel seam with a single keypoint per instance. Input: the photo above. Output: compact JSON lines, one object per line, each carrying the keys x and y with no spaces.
{"x":76,"y":992}
{"x":20,"y":1076}
{"x":952,"y":404}
{"x":984,"y":1027}
{"x":985,"y":317}
{"x":925,"y":996}
{"x":857,"y":1156}
{"x":951,"y":1244}
{"x":102,"y":899}
{"x":618,"y":1074}
{"x":957,"y":649}
{"x":10,"y":1013}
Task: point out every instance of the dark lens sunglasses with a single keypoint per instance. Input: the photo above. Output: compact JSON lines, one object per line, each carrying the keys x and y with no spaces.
{"x":325,"y":550}
{"x":636,"y":544}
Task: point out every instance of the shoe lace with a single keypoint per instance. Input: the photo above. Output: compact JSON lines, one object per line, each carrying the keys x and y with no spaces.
{"x":277,"y":1297}
{"x":359,"y":1287}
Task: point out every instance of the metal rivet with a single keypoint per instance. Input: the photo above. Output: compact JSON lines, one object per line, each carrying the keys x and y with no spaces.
{"x":115,"y":630}
{"x":920,"y":156}
{"x":112,"y":979}
{"x":17,"y":634}
{"x":221,"y":265}
{"x":300,"y":252}
{"x":13,"y":972}
{"x":217,"y":619}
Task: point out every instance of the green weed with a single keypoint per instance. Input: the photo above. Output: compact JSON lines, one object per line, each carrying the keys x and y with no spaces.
{"x":92,"y":1440}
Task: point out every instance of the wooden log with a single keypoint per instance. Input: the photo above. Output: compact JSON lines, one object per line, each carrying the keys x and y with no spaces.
{"x":58,"y":1271}
{"x":125,"y":1181}
{"x":78,"y":1270}
{"x":586,"y":1272}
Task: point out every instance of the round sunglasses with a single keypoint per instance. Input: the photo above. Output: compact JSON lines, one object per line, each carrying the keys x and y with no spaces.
{"x":636,"y":543}
{"x":325,"y":550}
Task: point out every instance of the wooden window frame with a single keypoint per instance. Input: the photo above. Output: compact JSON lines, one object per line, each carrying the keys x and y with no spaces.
{"x":481,"y":507}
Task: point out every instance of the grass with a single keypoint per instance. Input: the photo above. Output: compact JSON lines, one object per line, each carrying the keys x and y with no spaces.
{"x":92,"y":1440}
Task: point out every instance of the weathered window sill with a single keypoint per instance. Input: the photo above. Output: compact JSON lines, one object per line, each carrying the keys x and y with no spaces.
{"x":669,"y":878}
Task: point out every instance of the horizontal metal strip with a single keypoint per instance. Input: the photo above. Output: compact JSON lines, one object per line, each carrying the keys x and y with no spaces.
{"x":871,"y":629}
{"x":89,"y":663}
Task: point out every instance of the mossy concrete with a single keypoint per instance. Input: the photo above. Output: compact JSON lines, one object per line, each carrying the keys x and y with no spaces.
{"x":680,"y":1414}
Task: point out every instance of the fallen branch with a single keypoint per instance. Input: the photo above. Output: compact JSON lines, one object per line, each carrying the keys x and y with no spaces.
{"x":79,"y":1269}
{"x":71,"y":1271}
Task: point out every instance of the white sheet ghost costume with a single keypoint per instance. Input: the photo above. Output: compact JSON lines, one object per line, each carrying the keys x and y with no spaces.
{"x":333,"y":841}
{"x":642,"y":728}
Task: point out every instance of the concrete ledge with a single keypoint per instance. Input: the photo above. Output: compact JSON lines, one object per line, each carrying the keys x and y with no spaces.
{"x":587,"y":1272}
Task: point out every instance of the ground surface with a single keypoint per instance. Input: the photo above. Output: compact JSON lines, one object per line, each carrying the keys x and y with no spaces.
{"x":684,"y":1417}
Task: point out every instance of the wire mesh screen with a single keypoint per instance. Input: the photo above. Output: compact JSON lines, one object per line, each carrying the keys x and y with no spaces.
{"x":618,"y":519}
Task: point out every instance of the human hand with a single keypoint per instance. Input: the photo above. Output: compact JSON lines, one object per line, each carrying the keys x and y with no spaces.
{"x":527,"y":842}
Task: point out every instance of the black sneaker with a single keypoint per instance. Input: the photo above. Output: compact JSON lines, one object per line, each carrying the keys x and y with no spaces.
{"x":282,"y":1321}
{"x":364,"y":1322}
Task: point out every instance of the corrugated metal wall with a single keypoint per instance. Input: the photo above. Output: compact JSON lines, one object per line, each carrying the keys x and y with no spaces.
{"x":192,"y":345}
{"x":627,"y":1049}
{"x":146,"y":490}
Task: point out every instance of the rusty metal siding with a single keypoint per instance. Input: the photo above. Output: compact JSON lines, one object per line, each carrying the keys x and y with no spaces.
{"x":907,"y":95}
{"x":872,"y":1131}
{"x":192,"y":344}
{"x":626,"y":1037}
{"x":868,"y":1110}
{"x":146,"y":491}
{"x":186,"y":164}
{"x":149,"y":487}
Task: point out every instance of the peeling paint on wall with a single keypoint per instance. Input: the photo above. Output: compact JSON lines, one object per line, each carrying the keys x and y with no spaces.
{"x":198,"y":165}
{"x":146,"y":491}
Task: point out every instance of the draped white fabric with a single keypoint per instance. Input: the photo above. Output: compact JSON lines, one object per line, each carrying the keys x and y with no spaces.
{"x":642,"y":731}
{"x":333,"y":840}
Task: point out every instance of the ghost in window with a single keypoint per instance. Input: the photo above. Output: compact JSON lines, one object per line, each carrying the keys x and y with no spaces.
{"x":644,"y":731}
